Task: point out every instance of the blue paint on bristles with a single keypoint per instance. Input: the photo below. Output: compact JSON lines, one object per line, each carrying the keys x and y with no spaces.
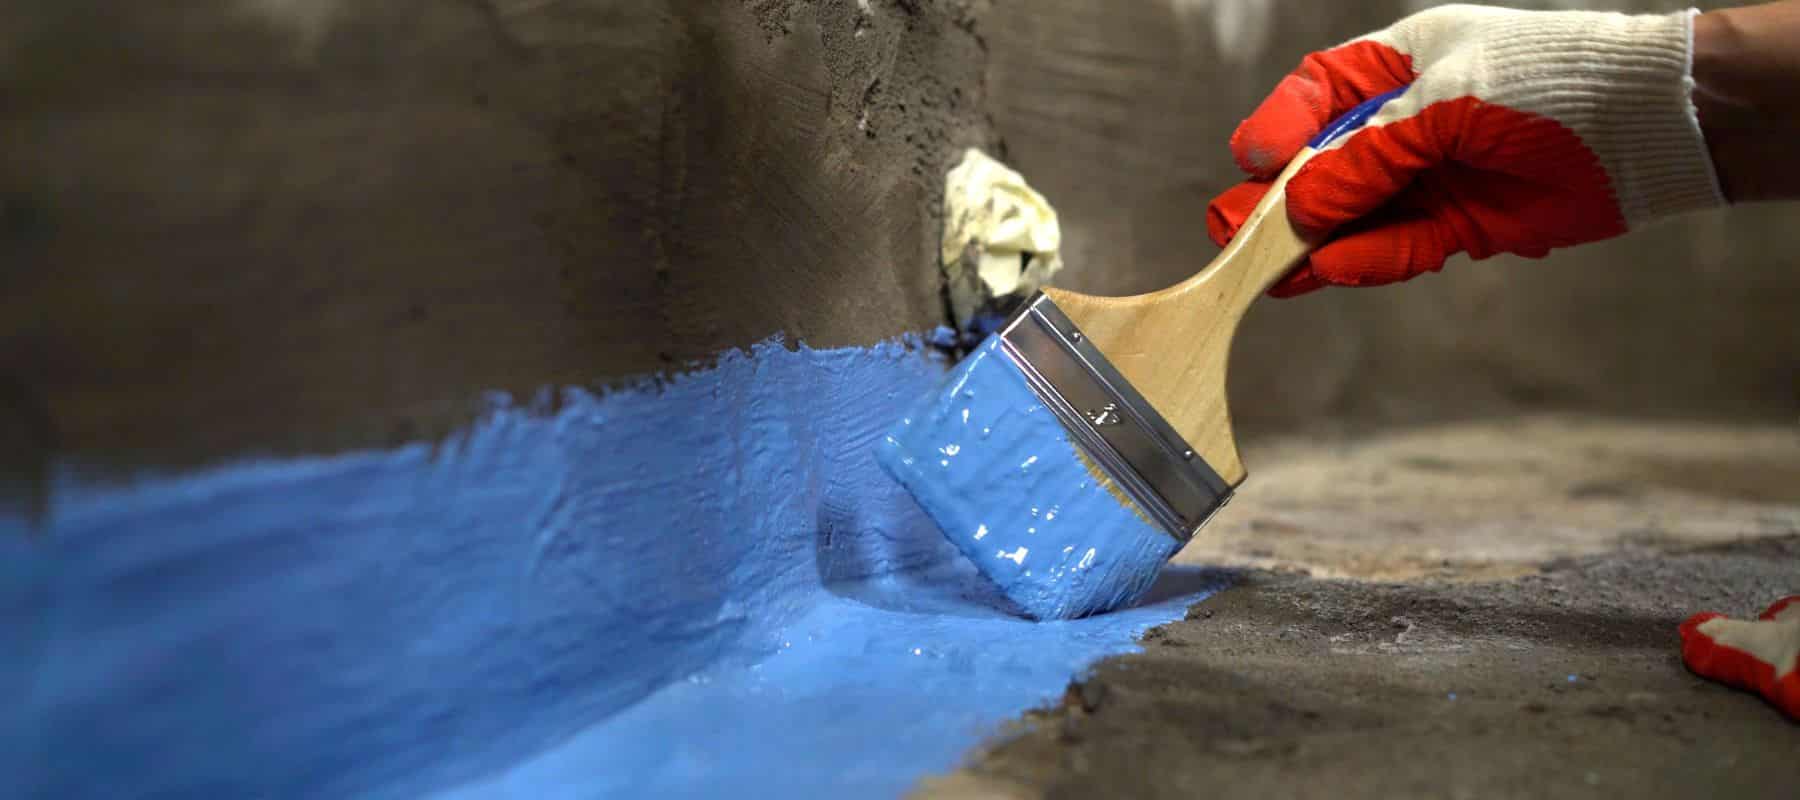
{"x":997,"y":471}
{"x":1000,"y":476}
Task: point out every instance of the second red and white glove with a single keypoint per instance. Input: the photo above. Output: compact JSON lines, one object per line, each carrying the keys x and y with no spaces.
{"x":1760,"y":655}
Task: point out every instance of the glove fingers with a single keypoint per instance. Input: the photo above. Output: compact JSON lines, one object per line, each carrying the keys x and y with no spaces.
{"x":1710,"y":659}
{"x":1324,"y":86}
{"x":1228,"y":211}
{"x":1391,"y":245}
{"x":1741,"y":654}
{"x":1349,"y":181}
{"x":1387,"y":247}
{"x":1301,"y":280}
{"x":1226,"y":215}
{"x":1783,"y":609}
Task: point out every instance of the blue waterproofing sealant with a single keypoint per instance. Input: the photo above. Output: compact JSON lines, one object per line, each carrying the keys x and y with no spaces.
{"x":997,"y":471}
{"x":702,"y":586}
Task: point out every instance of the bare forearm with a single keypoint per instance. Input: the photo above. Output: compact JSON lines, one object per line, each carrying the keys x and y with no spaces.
{"x":1747,"y":79}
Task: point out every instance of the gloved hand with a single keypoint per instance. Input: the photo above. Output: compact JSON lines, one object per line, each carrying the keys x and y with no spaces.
{"x":1760,"y":656}
{"x":1521,"y":131}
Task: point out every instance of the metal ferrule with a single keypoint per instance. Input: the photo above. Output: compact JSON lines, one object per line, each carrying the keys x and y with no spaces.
{"x":1113,"y":424}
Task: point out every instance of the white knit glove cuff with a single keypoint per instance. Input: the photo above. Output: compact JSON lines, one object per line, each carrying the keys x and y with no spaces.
{"x":1623,"y":83}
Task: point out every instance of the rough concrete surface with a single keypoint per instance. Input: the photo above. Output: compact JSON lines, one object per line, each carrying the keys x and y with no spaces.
{"x":236,"y":227}
{"x":1534,"y":654}
{"x":1498,"y":498}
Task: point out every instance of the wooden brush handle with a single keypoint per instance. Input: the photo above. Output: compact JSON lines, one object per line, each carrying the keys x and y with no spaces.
{"x":1173,"y":344}
{"x":1266,"y":247}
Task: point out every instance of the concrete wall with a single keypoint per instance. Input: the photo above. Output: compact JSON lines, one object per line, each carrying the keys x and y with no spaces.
{"x":237,"y":231}
{"x":296,"y":226}
{"x":288,"y":226}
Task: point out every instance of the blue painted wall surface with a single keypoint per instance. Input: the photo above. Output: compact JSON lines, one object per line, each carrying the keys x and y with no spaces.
{"x":701,"y":586}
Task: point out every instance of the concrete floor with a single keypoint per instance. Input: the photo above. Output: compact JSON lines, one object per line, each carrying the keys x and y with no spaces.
{"x":1477,"y":610}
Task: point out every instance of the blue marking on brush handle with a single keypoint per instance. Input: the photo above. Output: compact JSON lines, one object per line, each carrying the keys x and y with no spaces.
{"x":1354,"y":118}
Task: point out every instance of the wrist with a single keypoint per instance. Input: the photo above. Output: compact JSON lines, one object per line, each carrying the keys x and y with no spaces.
{"x":1743,"y":74}
{"x":1725,"y":115}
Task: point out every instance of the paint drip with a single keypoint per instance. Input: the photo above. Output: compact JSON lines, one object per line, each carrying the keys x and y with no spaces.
{"x":698,"y":587}
{"x":998,"y":473}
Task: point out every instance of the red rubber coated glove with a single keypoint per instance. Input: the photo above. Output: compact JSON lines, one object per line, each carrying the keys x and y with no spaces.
{"x":1760,"y":656}
{"x":1519,"y":132}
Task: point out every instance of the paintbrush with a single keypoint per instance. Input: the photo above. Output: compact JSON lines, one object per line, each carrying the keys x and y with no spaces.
{"x":1079,"y":447}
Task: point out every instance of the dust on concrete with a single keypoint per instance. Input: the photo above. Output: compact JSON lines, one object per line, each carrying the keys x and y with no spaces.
{"x":1495,"y":498}
{"x":1538,"y":657}
{"x":1567,"y":683}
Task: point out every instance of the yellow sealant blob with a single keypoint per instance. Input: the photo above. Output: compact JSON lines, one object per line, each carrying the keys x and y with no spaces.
{"x":1001,"y":238}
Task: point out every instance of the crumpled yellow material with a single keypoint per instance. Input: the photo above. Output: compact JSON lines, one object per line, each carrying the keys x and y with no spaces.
{"x":1001,"y":237}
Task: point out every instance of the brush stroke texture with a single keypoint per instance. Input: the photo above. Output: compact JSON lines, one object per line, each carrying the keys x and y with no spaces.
{"x":999,"y":474}
{"x":702,"y":586}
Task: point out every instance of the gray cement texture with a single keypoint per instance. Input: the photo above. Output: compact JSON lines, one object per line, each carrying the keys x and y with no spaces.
{"x":1553,"y":674}
{"x":267,"y":227}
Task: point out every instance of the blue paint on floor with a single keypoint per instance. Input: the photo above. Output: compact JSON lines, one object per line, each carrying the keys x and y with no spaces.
{"x":860,"y":701}
{"x":701,"y":586}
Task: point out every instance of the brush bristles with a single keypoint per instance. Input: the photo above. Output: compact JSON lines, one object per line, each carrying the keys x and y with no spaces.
{"x":998,"y":473}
